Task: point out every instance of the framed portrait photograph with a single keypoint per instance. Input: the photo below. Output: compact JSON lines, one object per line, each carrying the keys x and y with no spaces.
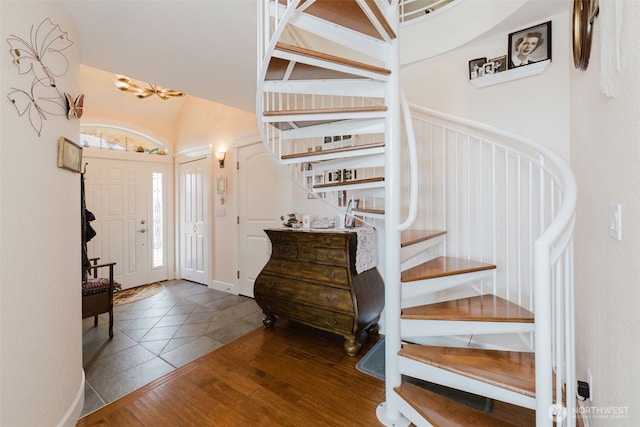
{"x":499,"y":63}
{"x":475,"y":68}
{"x":530,"y":45}
{"x":69,"y":155}
{"x":488,"y":68}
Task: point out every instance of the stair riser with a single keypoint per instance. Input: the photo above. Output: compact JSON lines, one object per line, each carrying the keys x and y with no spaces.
{"x":430,"y":328}
{"x":329,"y":157}
{"x":346,"y":127}
{"x":342,"y":36}
{"x":359,"y":72}
{"x":351,"y":187}
{"x":428,"y":286}
{"x":355,"y":162}
{"x":362,"y":88}
{"x":419,"y":253}
{"x":285,"y":117}
{"x":432,"y":374}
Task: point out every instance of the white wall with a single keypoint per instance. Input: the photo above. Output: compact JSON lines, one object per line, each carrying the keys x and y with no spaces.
{"x":535,"y":107}
{"x":605,"y":147}
{"x":40,"y":258}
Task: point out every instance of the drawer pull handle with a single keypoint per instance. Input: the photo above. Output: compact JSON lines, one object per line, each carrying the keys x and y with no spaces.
{"x":328,"y":240}
{"x":271,"y":306}
{"x":330,"y":274}
{"x":330,"y":255}
{"x":332,"y":322}
{"x":332,"y":298}
{"x":280,"y":266}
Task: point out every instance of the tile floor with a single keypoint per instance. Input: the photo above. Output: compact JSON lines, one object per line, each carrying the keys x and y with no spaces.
{"x":154,"y":336}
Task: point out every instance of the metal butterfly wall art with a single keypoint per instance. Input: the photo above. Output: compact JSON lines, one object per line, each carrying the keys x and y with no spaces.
{"x":37,"y":103}
{"x":43,"y":54}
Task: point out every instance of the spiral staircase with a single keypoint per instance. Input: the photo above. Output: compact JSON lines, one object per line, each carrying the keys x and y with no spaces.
{"x":331,"y":115}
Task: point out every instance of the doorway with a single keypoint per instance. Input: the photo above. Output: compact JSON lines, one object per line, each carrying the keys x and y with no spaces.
{"x":264,"y":193}
{"x":132,"y":217}
{"x":194,"y":220}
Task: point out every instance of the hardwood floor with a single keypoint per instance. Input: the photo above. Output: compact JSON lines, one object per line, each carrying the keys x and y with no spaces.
{"x":290,"y":375}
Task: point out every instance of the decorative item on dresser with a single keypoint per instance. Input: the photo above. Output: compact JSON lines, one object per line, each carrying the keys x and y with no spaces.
{"x":324,"y":279}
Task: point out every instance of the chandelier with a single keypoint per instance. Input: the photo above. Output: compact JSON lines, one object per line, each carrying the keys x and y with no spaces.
{"x":125,"y":84}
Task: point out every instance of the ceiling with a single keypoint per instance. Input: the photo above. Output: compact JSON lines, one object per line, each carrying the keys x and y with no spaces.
{"x":206,"y":48}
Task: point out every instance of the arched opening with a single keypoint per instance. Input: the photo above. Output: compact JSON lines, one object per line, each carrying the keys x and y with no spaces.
{"x":117,"y":138}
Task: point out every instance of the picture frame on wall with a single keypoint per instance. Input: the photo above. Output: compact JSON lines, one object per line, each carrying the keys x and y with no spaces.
{"x":476,"y":68}
{"x":529,"y":45}
{"x":499,"y":63}
{"x":69,"y":155}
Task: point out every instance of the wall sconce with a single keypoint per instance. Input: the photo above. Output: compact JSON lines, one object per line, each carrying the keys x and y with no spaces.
{"x":220,"y":155}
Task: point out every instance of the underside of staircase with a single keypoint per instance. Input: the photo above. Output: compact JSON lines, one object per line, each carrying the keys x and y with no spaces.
{"x":336,"y":110}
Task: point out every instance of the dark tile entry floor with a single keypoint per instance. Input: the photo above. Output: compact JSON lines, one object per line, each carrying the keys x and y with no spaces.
{"x":156,"y":335}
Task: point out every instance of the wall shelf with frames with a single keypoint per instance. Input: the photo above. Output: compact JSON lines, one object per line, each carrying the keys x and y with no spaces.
{"x":510,"y":75}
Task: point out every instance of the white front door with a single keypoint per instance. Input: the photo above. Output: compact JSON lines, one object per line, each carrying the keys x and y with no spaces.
{"x":194,"y":221}
{"x":264,"y":193}
{"x":120,"y":195}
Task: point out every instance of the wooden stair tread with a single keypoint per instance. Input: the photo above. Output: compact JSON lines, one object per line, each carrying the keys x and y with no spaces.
{"x":443,"y":412}
{"x":368,"y":211}
{"x":285,"y":47}
{"x":443,"y":266}
{"x":379,"y":108}
{"x":333,"y":151}
{"x":278,"y":69}
{"x":350,"y":182}
{"x":511,"y":370}
{"x":347,"y":13}
{"x":411,"y":237}
{"x":481,"y":308}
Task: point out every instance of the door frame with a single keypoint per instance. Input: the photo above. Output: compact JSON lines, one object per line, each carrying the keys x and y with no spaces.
{"x":168,"y":211}
{"x":180,"y":158}
{"x":209,"y":232}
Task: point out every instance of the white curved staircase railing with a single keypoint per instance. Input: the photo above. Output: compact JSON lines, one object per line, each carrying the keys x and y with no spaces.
{"x":481,"y":266}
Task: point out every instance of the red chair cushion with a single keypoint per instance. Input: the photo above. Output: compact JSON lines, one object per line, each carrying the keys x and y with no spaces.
{"x":96,"y":286}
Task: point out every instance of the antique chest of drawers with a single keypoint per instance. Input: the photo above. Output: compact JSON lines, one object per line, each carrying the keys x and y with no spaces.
{"x":312,"y":278}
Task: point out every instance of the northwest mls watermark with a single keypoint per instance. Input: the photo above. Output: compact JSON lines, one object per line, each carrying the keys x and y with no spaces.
{"x":558,"y":412}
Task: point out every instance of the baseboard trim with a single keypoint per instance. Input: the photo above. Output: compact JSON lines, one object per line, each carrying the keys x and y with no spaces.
{"x":223,"y":286}
{"x":72,"y":416}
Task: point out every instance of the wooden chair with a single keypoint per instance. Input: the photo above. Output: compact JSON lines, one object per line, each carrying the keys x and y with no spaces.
{"x":97,"y":293}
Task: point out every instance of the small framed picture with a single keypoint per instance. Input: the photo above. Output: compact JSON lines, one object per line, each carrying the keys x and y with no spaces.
{"x":530,"y":45}
{"x":348,"y":174}
{"x":488,"y":68}
{"x":475,"y":68}
{"x":69,"y":155}
{"x":334,"y":176}
{"x":349,"y":220}
{"x":499,"y":63}
{"x":318,"y":179}
{"x":327,"y":139}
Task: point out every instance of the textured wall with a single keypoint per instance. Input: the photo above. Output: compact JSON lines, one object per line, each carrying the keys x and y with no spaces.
{"x":40,"y":265}
{"x":605,"y":147}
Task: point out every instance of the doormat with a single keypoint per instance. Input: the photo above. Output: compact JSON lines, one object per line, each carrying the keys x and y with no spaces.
{"x":136,"y":294}
{"x":373,"y":364}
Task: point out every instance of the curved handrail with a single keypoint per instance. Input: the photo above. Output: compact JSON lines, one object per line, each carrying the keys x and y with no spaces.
{"x":552,"y":266}
{"x":565,"y":214}
{"x":413,"y":165}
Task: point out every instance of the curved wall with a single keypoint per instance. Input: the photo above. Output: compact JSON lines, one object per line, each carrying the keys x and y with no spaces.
{"x":42,"y":380}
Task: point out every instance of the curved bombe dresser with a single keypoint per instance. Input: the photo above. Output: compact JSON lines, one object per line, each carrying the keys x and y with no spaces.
{"x":312,"y":278}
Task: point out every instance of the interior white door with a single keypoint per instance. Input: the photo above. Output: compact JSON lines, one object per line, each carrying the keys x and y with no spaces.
{"x":117,"y":193}
{"x":194,"y":221}
{"x":264,"y":193}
